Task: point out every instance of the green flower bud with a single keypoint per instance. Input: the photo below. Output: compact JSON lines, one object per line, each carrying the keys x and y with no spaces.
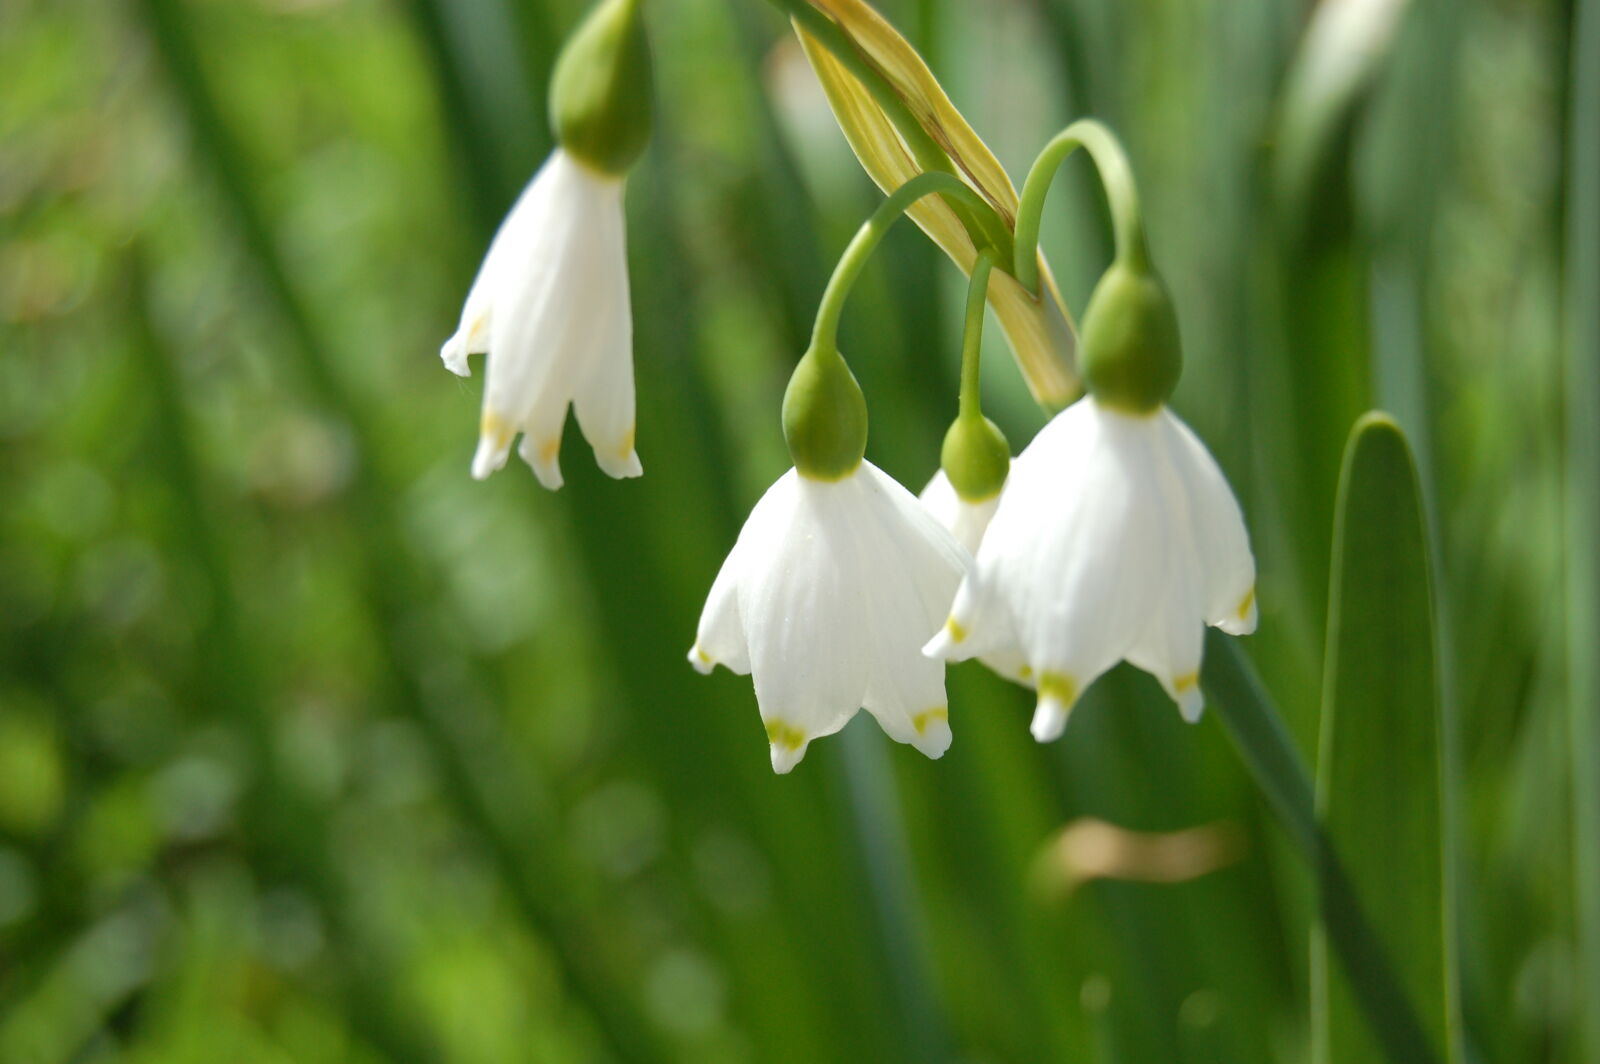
{"x":824,"y":417}
{"x":1130,"y":354}
{"x":976,"y":458}
{"x":600,"y":93}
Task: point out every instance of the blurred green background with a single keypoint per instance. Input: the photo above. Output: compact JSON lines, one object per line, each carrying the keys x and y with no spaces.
{"x":313,"y":749}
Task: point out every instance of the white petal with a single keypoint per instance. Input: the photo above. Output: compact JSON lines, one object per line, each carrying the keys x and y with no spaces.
{"x":1077,"y":561}
{"x":1221,"y":541}
{"x":1169,"y":646}
{"x":604,"y":399}
{"x":911,"y":567}
{"x":978,"y":625}
{"x":454,"y":355}
{"x":964,"y":520}
{"x":786,"y":754}
{"x":937,"y":559}
{"x":494,"y":446}
{"x":719,"y":639}
{"x":939,"y":498}
{"x":807,"y":644}
{"x":542,"y":452}
{"x":604,"y":402}
{"x":472,"y":334}
{"x":1170,"y":651}
{"x":1058,"y":693}
{"x":1049,"y":719}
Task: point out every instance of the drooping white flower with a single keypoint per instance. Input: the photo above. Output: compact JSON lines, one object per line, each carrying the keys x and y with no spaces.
{"x":962,"y":519}
{"x":1117,"y":537}
{"x":826,"y":600}
{"x":550,"y":308}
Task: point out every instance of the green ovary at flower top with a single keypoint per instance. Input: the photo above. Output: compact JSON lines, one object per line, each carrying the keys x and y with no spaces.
{"x":600,"y":98}
{"x":975,"y":458}
{"x":550,"y":305}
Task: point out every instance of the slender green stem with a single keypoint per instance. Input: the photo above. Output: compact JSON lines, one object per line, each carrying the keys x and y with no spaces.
{"x":825,"y":334}
{"x":1270,"y":755}
{"x":972,"y":333}
{"x":1116,"y":177}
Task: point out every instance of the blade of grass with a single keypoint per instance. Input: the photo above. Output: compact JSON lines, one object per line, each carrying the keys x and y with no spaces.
{"x":1279,"y":770}
{"x":1380,"y":760}
{"x":1583,"y":505}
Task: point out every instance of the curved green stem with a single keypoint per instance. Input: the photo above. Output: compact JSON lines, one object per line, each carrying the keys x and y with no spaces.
{"x":825,"y":334}
{"x":972,"y":333}
{"x":1116,"y":176}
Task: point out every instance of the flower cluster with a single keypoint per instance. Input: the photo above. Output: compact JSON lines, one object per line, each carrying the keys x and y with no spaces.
{"x":1112,"y":537}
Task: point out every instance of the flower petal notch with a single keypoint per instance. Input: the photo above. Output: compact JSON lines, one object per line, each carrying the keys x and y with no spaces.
{"x":828,"y":594}
{"x":1117,"y":538}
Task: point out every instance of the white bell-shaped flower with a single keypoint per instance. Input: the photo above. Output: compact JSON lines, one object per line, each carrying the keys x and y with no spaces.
{"x":826,"y":600}
{"x":1117,"y":537}
{"x":550,"y":308}
{"x":962,"y":519}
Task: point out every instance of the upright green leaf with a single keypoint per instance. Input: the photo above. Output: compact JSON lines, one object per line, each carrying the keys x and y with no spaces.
{"x":1583,"y":509}
{"x":1379,"y":776}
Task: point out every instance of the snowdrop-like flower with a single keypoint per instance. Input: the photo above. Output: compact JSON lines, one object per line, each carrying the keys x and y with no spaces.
{"x":962,"y":519}
{"x":1117,"y":537}
{"x":826,"y":599}
{"x":550,"y":304}
{"x":550,"y":308}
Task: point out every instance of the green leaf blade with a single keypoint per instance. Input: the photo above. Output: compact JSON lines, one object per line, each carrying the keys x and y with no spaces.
{"x":1379,"y":775}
